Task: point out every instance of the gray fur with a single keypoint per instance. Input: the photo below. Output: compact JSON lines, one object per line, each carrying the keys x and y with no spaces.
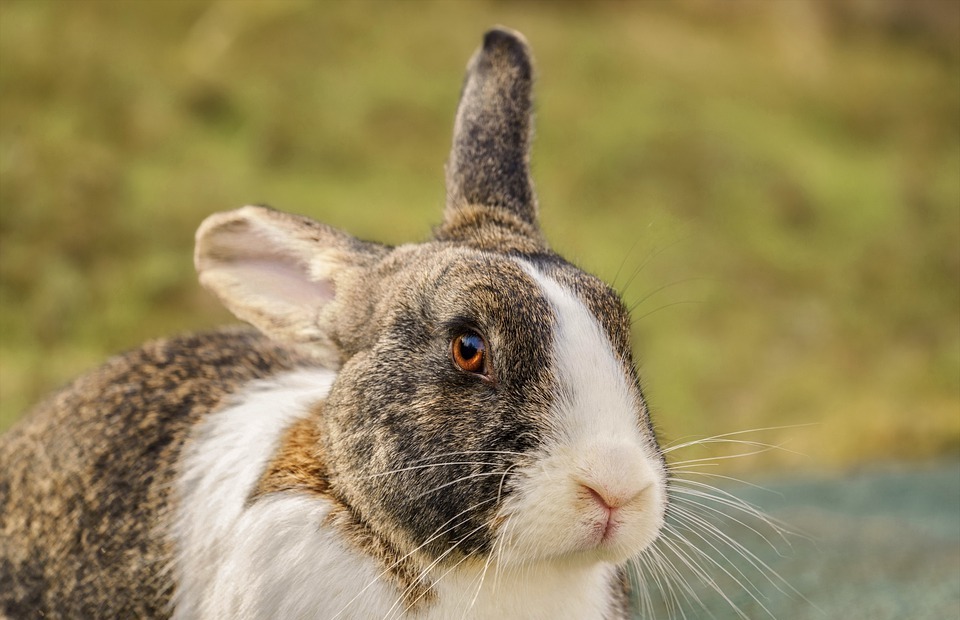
{"x":489,"y":160}
{"x":490,"y":197}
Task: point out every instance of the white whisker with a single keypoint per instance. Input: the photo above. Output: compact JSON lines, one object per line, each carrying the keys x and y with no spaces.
{"x":428,"y":466}
{"x":696,"y":569}
{"x":436,"y":561}
{"x":670,"y":447}
{"x":741,"y":523}
{"x":440,"y":531}
{"x":458,"y":480}
{"x":465,"y":452}
{"x":703,"y":528}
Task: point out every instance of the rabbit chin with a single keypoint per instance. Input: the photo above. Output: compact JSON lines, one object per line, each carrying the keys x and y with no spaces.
{"x":576,"y":537}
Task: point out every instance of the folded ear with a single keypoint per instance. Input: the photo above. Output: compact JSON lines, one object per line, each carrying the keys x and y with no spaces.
{"x":278,"y":271}
{"x":488,"y":172}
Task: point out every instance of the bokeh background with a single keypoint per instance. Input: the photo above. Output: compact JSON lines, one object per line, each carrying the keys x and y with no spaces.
{"x":774,"y":185}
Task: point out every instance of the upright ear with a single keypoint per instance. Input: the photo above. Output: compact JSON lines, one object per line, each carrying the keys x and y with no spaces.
{"x":488,"y":172}
{"x":279,"y":271}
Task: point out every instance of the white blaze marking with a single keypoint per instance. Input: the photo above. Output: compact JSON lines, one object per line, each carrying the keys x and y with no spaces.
{"x":596,"y":399}
{"x":598,"y":446}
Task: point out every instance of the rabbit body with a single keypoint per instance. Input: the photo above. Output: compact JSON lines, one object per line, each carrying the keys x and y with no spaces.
{"x":88,"y":477}
{"x":448,"y":429}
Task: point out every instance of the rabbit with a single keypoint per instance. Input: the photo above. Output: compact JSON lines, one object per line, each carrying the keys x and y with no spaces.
{"x":447,"y":429}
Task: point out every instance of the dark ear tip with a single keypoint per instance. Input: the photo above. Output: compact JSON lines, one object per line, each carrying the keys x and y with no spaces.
{"x":500,"y":36}
{"x":506,"y":41}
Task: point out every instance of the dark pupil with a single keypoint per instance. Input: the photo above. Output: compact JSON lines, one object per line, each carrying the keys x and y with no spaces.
{"x":470,"y":346}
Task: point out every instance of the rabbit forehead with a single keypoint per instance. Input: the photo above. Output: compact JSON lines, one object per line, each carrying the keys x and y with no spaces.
{"x":596,"y":393}
{"x":444,"y":285}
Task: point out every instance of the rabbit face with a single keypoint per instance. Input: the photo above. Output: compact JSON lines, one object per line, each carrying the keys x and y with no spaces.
{"x":427,"y":443}
{"x":545,"y":442}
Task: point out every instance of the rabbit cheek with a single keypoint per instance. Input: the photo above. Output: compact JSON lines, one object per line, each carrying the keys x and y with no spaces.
{"x":397,"y":441}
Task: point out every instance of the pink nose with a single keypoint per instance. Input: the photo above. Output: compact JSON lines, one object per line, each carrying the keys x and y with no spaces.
{"x":600,"y":499}
{"x":609,"y":499}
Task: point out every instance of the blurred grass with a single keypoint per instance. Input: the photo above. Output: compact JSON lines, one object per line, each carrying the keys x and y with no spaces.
{"x":790,"y":169}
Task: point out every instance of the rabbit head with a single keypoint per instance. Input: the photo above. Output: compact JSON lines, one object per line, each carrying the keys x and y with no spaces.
{"x":486,"y":399}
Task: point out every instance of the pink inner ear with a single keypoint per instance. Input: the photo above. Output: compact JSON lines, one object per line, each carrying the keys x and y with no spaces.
{"x":284,"y":282}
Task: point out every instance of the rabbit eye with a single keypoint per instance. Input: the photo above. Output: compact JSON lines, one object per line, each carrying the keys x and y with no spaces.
{"x":469,"y":352}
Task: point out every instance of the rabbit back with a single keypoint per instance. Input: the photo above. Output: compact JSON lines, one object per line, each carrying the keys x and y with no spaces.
{"x":83,"y":520}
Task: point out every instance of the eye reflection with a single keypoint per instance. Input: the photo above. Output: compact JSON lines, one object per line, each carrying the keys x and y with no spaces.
{"x":469,"y":352}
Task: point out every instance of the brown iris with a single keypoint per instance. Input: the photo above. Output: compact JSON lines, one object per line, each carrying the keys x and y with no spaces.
{"x":469,"y":352}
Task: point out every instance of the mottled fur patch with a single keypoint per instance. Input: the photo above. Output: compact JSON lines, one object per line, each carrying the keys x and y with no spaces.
{"x":493,"y":230}
{"x":488,"y":163}
{"x":87,"y":478}
{"x":403,"y":402}
{"x":621,"y":595}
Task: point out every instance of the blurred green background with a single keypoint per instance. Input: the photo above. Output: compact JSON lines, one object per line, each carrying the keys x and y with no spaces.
{"x":775,"y":185}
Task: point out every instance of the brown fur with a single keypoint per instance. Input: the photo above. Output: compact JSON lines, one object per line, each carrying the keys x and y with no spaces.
{"x":299,"y":467}
{"x":492,"y":230}
{"x":298,"y":464}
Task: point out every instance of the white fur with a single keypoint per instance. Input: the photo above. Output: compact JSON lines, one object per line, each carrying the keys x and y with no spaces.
{"x":555,"y":591}
{"x":275,"y":559}
{"x":279,"y":561}
{"x":598,"y":443}
{"x":222,"y":461}
{"x":284,"y":565}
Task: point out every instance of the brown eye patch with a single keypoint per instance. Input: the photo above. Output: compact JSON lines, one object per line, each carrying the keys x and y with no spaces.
{"x":469,"y":351}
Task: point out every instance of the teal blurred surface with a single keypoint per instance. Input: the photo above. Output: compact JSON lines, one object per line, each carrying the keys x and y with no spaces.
{"x":882,"y":543}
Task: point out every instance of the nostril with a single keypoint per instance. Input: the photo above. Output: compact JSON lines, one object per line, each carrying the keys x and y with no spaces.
{"x":611,"y":500}
{"x":600,"y":499}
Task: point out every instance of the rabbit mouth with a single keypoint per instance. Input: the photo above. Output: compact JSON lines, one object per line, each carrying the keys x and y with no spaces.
{"x":600,"y":502}
{"x":618,"y":533}
{"x":608,"y":518}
